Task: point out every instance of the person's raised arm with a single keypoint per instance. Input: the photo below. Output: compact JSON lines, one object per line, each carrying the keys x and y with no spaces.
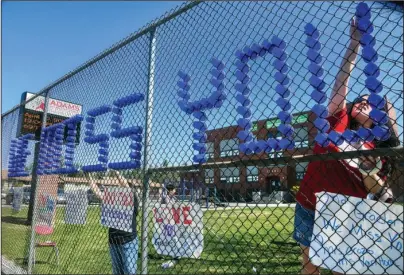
{"x":95,"y":187}
{"x":338,"y":95}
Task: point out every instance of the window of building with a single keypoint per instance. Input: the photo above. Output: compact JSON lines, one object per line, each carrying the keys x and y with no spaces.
{"x":209,"y":176}
{"x":229,"y":147}
{"x":252,"y":174}
{"x":301,"y":168}
{"x":230,"y":175}
{"x":210,"y":150}
{"x":301,"y":137}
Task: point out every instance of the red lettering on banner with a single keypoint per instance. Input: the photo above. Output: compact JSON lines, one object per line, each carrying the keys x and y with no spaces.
{"x":185,"y":213}
{"x":108,"y":197}
{"x":176,"y":215}
{"x":158,"y":219}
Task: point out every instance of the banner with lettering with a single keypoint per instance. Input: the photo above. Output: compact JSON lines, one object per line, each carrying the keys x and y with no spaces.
{"x":46,"y":210}
{"x":117,"y":208}
{"x":357,"y":236}
{"x":18,"y":193}
{"x":178,"y":230}
{"x":76,"y":203}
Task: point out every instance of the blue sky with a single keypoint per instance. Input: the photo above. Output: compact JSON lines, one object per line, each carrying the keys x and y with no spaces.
{"x":188,"y":42}
{"x":42,"y":41}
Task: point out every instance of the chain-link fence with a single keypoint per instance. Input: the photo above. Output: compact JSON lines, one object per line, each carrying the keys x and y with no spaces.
{"x":226,"y":137}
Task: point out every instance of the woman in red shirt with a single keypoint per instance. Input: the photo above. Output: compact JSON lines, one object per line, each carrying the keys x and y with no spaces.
{"x":346,"y":177}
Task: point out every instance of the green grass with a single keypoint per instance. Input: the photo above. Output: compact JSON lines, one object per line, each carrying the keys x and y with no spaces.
{"x":235,"y":240}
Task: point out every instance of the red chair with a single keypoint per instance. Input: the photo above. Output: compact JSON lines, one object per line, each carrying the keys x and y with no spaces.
{"x":46,"y":230}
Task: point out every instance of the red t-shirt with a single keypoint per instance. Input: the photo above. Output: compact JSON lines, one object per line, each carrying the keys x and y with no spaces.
{"x":331,"y":175}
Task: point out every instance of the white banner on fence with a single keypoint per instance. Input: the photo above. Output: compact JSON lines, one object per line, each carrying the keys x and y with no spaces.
{"x":357,"y":236}
{"x":46,"y":210}
{"x":178,"y":230}
{"x":18,"y":193}
{"x":117,"y":208}
{"x":76,"y":203}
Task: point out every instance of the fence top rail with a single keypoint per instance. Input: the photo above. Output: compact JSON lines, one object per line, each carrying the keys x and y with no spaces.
{"x":142,"y":31}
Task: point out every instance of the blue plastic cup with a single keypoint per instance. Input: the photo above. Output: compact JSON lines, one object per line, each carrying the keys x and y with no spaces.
{"x":199,"y":146}
{"x":200,"y":115}
{"x":314,"y":56}
{"x":243,"y":67}
{"x":243,"y":147}
{"x":335,"y":138}
{"x":244,"y":111}
{"x":322,"y":139}
{"x":244,"y":123}
{"x":249,"y":52}
{"x":201,"y":126}
{"x":373,"y":84}
{"x":378,"y":116}
{"x":318,"y":96}
{"x":184,"y":94}
{"x":256,"y":48}
{"x":281,"y":66}
{"x":371,"y":69}
{"x":365,"y":25}
{"x":273,"y":143}
{"x":268,"y":46}
{"x":243,"y":88}
{"x":199,"y":158}
{"x":286,"y":129}
{"x":313,"y":43}
{"x":381,"y":132}
{"x":279,"y":54}
{"x":367,"y":40}
{"x":282,"y":91}
{"x":369,"y":54}
{"x":283,"y":79}
{"x":376,"y":101}
{"x":217,"y":74}
{"x":316,"y":69}
{"x":284,"y":104}
{"x":362,"y":9}
{"x":322,"y":124}
{"x":365,"y":134}
{"x":241,"y":56}
{"x":243,"y":78}
{"x":244,"y":100}
{"x":247,"y":148}
{"x":278,"y":42}
{"x":218,"y":84}
{"x":312,"y":31}
{"x":317,"y":82}
{"x":218,"y":104}
{"x":286,"y":144}
{"x":285,"y":117}
{"x":260,"y":146}
{"x":350,"y":136}
{"x":200,"y":136}
{"x":183,"y":85}
{"x":217,"y":63}
{"x":243,"y":135}
{"x":184,"y":76}
{"x":320,"y":110}
{"x":184,"y":106}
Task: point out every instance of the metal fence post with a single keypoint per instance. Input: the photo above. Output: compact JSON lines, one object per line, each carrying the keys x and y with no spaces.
{"x":34,"y":184}
{"x":148,"y":125}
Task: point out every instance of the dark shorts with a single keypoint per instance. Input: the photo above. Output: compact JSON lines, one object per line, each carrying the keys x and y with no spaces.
{"x":304,"y":223}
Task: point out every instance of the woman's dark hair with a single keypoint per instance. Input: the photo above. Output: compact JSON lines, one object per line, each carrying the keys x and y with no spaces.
{"x":170,"y":187}
{"x":392,"y":141}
